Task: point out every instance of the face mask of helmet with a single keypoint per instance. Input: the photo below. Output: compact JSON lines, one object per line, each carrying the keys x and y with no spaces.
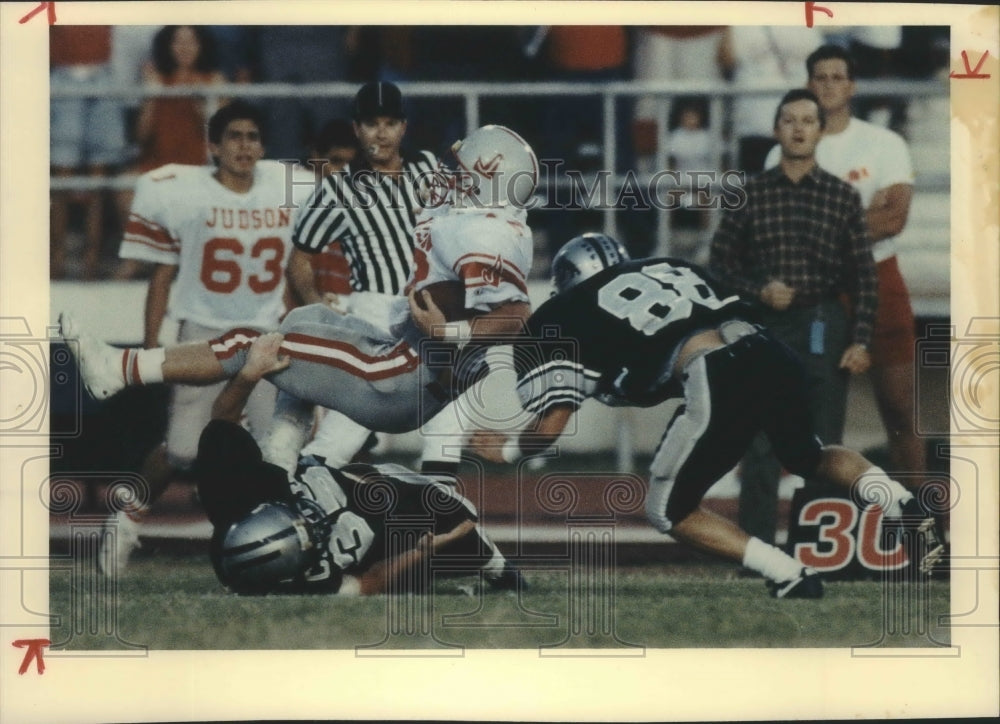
{"x":272,"y":545}
{"x":584,"y":256}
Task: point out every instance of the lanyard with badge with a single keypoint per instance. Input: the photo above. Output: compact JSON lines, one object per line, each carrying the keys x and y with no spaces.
{"x":817,"y":331}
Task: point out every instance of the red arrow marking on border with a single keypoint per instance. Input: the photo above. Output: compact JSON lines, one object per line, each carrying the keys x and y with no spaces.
{"x":50,"y":7}
{"x":810,"y":7}
{"x":971,"y":72}
{"x":34,"y":651}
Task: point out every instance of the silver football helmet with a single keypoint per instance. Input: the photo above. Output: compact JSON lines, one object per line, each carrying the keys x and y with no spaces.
{"x":584,"y":256}
{"x":496,"y":167}
{"x":271,"y":545}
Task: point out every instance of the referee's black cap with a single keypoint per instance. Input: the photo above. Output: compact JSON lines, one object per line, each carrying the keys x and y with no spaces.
{"x":378,"y":99}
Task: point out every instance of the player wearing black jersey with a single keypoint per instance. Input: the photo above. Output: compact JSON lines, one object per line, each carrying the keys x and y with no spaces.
{"x":356,"y":530}
{"x":638,"y":332}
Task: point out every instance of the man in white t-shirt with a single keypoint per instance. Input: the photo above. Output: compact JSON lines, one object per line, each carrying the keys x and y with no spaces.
{"x":876,"y":162}
{"x":219,"y":237}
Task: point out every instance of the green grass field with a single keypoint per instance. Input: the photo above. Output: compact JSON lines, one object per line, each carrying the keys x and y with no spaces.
{"x":174,"y":602}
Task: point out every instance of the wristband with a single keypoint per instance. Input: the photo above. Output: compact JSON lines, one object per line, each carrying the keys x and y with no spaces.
{"x":511,"y":452}
{"x":457,"y":332}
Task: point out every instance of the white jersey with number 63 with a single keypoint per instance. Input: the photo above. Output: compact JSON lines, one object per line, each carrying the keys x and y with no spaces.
{"x":231,"y":248}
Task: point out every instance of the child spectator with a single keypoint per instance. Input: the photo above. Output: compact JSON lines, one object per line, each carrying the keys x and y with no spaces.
{"x":692,"y":148}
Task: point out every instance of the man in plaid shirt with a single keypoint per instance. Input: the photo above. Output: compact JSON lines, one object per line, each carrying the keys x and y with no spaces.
{"x":799,"y":247}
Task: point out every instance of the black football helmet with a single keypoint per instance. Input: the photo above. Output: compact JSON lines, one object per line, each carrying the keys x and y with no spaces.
{"x":584,"y":256}
{"x":272,"y":545}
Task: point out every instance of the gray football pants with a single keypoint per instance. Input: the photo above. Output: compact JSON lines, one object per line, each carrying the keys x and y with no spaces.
{"x":346,"y":364}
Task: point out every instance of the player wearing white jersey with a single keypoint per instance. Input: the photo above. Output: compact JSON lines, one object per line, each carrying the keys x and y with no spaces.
{"x":227,"y":248}
{"x":461,"y":236}
{"x":377,"y":363}
{"x":493,"y":271}
{"x":219,"y":238}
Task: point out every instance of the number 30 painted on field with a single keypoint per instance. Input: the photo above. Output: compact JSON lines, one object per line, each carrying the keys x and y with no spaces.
{"x":836,"y":519}
{"x":223,"y":274}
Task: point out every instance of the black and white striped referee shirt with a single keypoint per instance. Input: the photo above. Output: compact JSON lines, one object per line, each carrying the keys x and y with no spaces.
{"x":372,"y":215}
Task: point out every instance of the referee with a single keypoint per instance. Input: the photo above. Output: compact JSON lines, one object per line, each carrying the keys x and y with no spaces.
{"x":368,"y":206}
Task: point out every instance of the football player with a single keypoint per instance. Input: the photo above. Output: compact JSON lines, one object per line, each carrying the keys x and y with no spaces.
{"x":472,"y":232}
{"x":373,"y":358}
{"x":647,"y":330}
{"x":358,"y":530}
{"x":219,"y":238}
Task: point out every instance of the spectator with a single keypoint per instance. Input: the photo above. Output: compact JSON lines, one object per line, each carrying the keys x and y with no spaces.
{"x":876,"y":162}
{"x":760,"y":56}
{"x":692,"y":149}
{"x":669,"y":52}
{"x":172,"y":129}
{"x":87,"y":134}
{"x":795,"y":246}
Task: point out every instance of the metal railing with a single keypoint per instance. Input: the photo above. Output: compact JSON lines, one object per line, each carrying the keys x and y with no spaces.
{"x":720,"y":97}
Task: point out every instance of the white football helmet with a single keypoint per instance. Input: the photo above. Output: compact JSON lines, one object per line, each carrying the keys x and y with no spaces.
{"x":271,"y":545}
{"x":584,"y":256}
{"x":496,"y":167}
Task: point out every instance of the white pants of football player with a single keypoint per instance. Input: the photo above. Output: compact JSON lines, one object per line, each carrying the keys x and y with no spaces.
{"x":338,"y":438}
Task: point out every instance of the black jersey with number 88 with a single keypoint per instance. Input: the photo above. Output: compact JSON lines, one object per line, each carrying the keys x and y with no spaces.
{"x":614,"y":335}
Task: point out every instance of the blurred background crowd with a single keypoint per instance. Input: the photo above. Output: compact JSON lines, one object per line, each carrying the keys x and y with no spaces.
{"x":113,"y":138}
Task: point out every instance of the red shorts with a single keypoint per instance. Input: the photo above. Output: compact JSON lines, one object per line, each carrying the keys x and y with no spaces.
{"x":894,"y":338}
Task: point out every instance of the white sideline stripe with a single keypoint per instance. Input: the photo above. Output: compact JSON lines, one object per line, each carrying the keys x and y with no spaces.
{"x":232,"y":341}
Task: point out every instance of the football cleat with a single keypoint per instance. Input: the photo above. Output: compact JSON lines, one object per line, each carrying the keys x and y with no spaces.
{"x":920,"y":532}
{"x":99,"y":363}
{"x":510,"y":579}
{"x":807,"y":585}
{"x":119,"y":538}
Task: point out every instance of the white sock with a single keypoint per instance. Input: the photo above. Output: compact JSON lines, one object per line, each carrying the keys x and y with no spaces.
{"x":494,"y":566}
{"x":143,"y":366}
{"x":282,"y":443}
{"x":770,"y":562}
{"x":874,"y":486}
